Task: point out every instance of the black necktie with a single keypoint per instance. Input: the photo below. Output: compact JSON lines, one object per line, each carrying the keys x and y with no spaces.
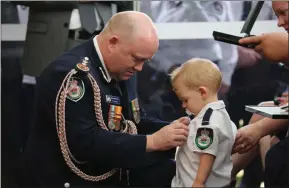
{"x":247,"y":5}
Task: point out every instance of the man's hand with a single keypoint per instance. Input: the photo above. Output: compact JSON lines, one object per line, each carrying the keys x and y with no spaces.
{"x":247,"y":57}
{"x":184,"y":120}
{"x":170,"y":136}
{"x":247,"y":138}
{"x":274,"y":46}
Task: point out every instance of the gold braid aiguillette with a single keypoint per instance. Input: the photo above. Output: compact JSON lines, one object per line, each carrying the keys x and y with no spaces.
{"x":60,"y":120}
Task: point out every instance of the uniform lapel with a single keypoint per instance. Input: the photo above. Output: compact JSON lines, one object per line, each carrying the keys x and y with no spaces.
{"x":128,"y":87}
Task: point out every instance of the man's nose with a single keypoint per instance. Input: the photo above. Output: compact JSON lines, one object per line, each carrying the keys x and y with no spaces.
{"x":138,"y":67}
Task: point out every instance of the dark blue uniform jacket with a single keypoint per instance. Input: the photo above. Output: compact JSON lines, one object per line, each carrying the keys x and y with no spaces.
{"x":101,"y":150}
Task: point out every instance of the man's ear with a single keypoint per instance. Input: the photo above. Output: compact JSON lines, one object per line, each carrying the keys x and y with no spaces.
{"x":203,"y":91}
{"x":112,"y":41}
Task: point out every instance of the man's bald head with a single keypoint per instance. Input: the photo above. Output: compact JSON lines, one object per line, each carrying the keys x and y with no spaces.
{"x":128,"y":40}
{"x":131,"y":24}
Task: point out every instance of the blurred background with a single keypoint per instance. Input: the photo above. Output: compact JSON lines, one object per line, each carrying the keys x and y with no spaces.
{"x":34,"y":33}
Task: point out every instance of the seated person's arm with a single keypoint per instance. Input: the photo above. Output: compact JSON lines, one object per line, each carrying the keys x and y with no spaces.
{"x":248,"y":136}
{"x":268,"y":126}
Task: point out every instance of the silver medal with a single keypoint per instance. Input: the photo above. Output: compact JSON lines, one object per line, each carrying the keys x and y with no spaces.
{"x":136,"y":116}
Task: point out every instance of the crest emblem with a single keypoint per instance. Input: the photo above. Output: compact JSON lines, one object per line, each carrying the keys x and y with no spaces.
{"x":75,"y":89}
{"x":204,"y":138}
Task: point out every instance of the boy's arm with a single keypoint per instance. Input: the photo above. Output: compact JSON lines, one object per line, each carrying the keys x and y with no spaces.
{"x":205,"y":167}
{"x":206,"y":143}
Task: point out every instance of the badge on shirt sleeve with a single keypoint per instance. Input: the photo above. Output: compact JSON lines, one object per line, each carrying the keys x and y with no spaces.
{"x":135,"y":110}
{"x":75,"y":89}
{"x":204,"y":138}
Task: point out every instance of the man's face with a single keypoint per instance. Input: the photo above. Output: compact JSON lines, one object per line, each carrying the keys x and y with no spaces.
{"x":128,"y":56}
{"x":281,"y":10}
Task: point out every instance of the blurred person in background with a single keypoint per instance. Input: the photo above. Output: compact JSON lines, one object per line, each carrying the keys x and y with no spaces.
{"x":11,"y":81}
{"x":249,"y":89}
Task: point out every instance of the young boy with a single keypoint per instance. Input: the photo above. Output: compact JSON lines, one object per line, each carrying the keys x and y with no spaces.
{"x":205,"y":160}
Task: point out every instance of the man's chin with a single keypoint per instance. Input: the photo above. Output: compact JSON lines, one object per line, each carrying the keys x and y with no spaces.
{"x":124,"y":77}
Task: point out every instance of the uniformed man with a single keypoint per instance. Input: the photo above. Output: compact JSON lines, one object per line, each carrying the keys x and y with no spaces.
{"x":88,"y":125}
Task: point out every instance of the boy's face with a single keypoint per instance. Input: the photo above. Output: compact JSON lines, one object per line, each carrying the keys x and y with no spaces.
{"x":192,"y":99}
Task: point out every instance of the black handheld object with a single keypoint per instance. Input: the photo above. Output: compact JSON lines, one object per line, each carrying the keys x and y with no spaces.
{"x":231,"y":39}
{"x":247,"y":27}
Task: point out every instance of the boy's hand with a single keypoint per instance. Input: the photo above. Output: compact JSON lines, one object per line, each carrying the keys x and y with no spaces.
{"x":197,"y":184}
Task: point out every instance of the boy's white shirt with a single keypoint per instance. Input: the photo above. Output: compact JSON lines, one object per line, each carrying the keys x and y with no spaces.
{"x":188,"y":156}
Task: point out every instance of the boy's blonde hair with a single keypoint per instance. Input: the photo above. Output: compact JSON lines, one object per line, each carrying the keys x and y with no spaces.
{"x":198,"y":72}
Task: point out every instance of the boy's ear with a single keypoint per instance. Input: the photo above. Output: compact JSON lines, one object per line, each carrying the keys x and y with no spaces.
{"x":203,"y":91}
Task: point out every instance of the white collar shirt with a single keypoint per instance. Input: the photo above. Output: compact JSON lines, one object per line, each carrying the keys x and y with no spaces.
{"x":188,"y":156}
